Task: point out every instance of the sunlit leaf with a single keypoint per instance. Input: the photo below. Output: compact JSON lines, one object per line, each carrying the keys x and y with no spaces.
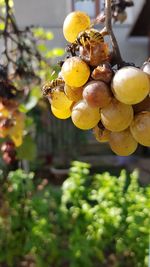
{"x":49,"y":35}
{"x":49,"y":54}
{"x":2,"y":26}
{"x":58,"y":52}
{"x":11,"y":3}
{"x":2,"y":3}
{"x":32,"y":101}
{"x":42,"y":47}
{"x":41,"y":33}
{"x":29,"y":121}
{"x":55,"y":52}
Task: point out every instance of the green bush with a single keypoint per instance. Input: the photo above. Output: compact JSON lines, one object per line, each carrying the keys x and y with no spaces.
{"x":109,"y":218}
{"x":93,"y":220}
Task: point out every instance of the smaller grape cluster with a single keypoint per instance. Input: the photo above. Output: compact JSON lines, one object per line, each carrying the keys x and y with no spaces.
{"x":8,"y":151}
{"x":11,"y":121}
{"x":114,"y":103}
{"x":11,"y":128}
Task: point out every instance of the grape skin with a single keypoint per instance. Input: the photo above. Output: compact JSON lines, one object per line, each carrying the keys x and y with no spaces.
{"x":74,"y":23}
{"x":140,"y":128}
{"x":85,"y":117}
{"x":97,"y":94}
{"x":130,"y":85}
{"x":61,"y":113}
{"x":122,"y":143}
{"x":75,"y":72}
{"x":117,"y":116}
{"x":59,"y":100}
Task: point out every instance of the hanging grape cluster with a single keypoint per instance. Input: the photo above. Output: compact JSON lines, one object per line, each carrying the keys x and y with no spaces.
{"x":11,"y":119}
{"x":115,"y":103}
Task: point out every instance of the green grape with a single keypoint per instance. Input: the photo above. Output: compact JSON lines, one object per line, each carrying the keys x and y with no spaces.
{"x":83,"y":116}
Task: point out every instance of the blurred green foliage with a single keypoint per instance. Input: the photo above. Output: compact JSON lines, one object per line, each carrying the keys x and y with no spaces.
{"x":93,"y":219}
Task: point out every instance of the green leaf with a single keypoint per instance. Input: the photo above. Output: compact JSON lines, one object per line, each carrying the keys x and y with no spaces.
{"x":32,"y":101}
{"x":29,"y":121}
{"x":42,"y":34}
{"x":42,"y":47}
{"x":27,"y":150}
{"x":2,"y":3}
{"x":36,"y":92}
{"x":22,"y":108}
{"x":58,"y":52}
{"x":49,"y":54}
{"x":11,"y":3}
{"x":2,"y":26}
{"x":49,"y":35}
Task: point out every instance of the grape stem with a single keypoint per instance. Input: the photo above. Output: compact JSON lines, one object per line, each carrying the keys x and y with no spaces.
{"x":108,"y":26}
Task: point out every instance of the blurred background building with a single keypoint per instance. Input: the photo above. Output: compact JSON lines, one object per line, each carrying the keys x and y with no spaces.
{"x":132,"y":35}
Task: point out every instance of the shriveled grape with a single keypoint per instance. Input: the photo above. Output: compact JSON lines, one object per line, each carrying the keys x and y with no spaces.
{"x":140,"y":128}
{"x":101,"y":133}
{"x":116,"y":116}
{"x":83,"y":116}
{"x":102,"y":73}
{"x":94,"y":53}
{"x":122,"y":143}
{"x":97,"y":94}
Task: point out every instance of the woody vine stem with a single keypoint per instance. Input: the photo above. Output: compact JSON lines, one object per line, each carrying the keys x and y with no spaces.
{"x":108,"y":26}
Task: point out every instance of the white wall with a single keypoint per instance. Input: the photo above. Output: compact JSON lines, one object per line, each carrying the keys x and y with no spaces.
{"x":51,"y":13}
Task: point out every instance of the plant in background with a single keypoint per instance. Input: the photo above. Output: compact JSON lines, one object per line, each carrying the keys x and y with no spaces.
{"x":94,"y":218}
{"x":108,"y":224}
{"x":25,"y":62}
{"x":28,"y":220}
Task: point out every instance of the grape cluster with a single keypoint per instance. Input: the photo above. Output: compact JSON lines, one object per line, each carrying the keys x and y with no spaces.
{"x":11,"y":121}
{"x":8,"y":152}
{"x":114,"y":103}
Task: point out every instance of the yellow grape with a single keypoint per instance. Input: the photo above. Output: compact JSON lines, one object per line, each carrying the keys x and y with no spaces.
{"x":83,"y":116}
{"x":116,"y":116}
{"x":140,"y":128}
{"x":74,"y":23}
{"x":61,"y":113}
{"x":59,"y":100}
{"x":75,"y":72}
{"x":73,"y":93}
{"x":122,"y":143}
{"x":130,"y":85}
